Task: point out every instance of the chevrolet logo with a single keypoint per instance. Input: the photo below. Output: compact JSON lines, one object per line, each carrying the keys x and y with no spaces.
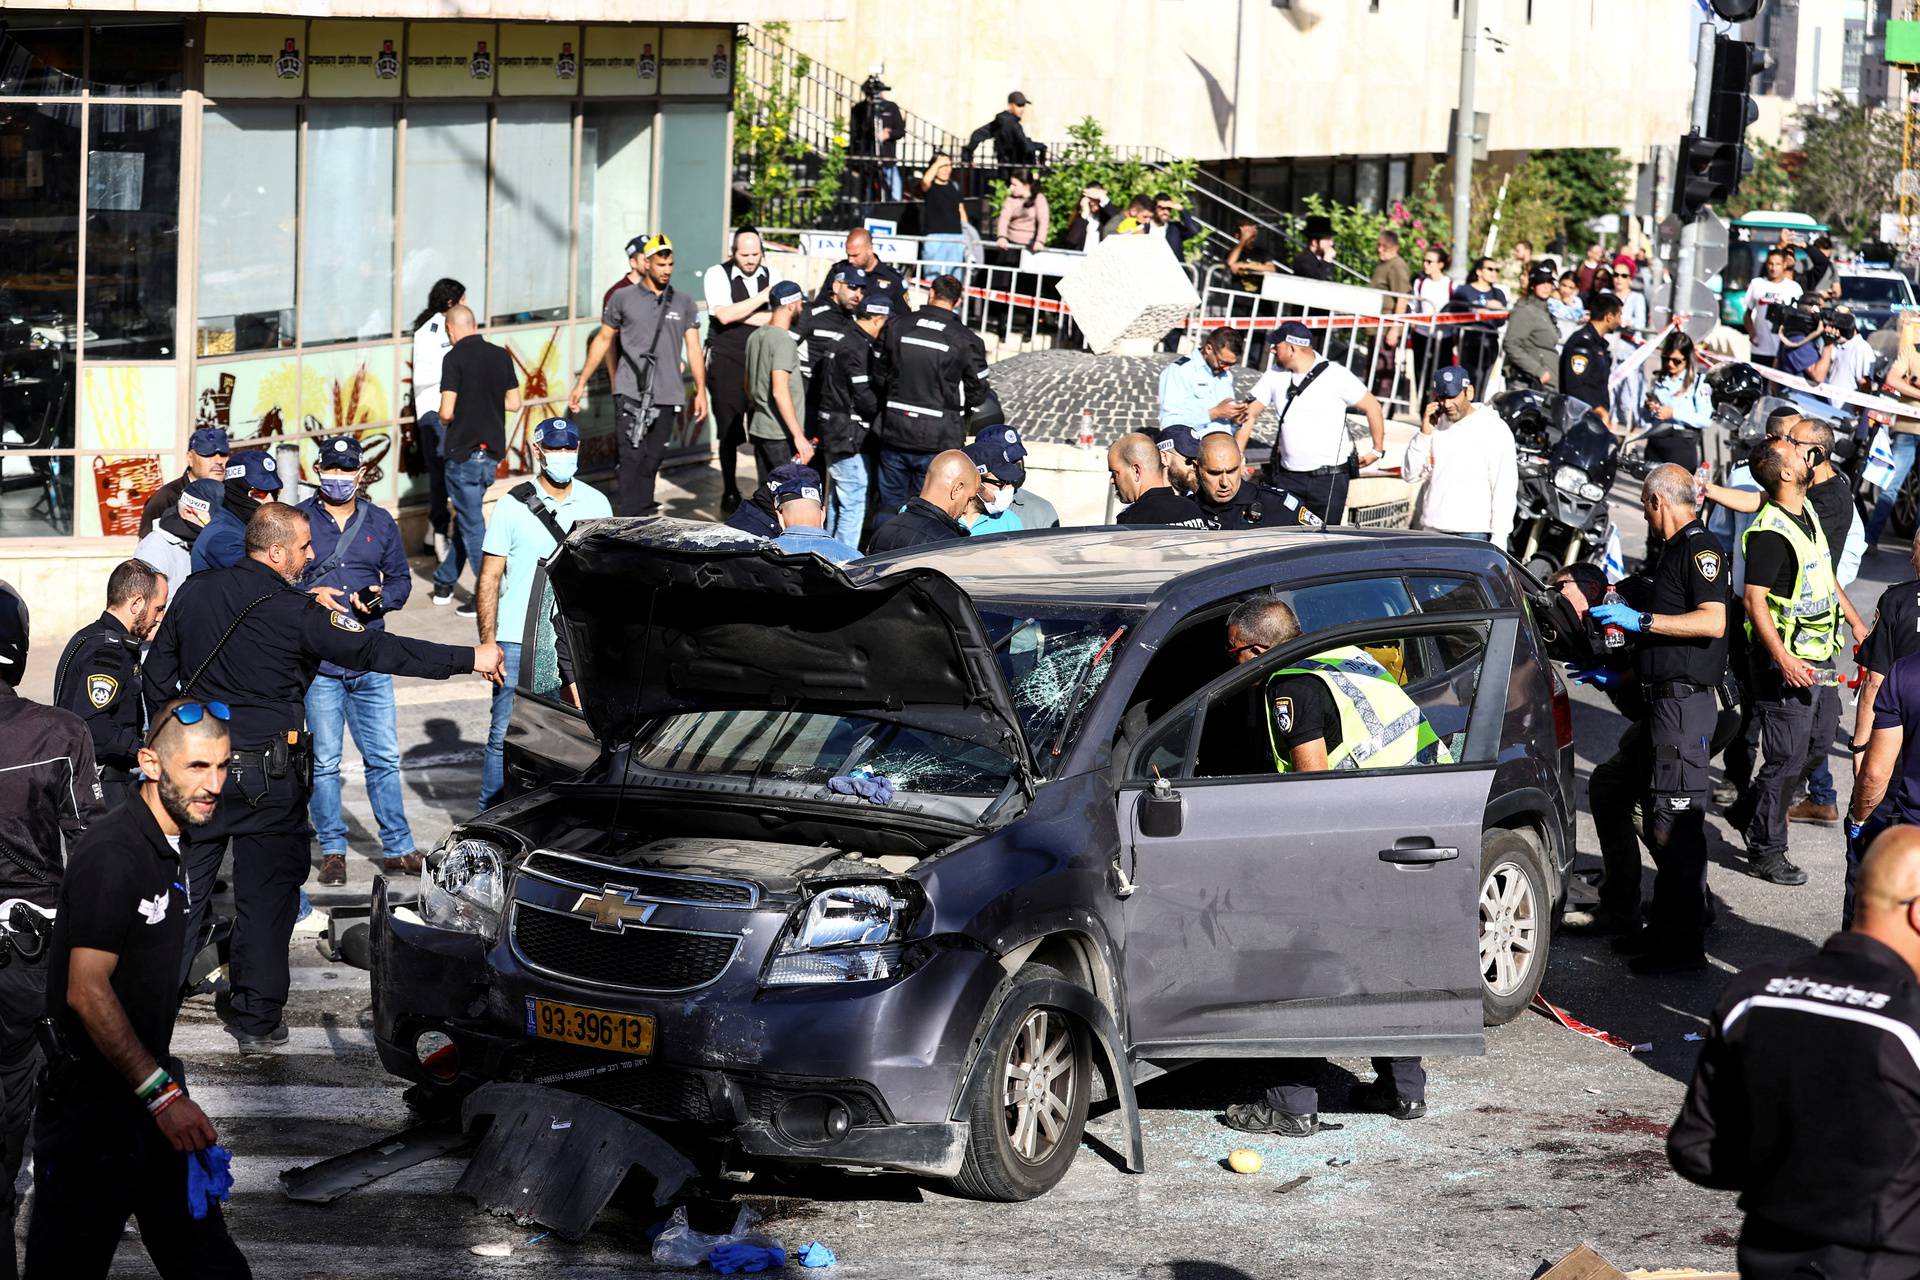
{"x":612,"y":908}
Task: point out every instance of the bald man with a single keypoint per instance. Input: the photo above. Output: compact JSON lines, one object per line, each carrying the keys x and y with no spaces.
{"x":1139,"y":473}
{"x":1806,"y":1098}
{"x":881,"y":278}
{"x":1229,"y":500}
{"x":950,"y":491}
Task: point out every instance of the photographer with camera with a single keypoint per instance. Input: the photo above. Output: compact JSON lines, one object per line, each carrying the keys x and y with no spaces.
{"x":1805,"y":350}
{"x":1852,"y":361}
{"x":874,"y":128}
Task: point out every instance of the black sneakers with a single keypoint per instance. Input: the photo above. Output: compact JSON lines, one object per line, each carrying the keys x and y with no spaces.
{"x":1775,"y":869}
{"x":468,"y":609}
{"x":1258,"y":1117}
{"x":275,"y":1041}
{"x":1380,"y":1097}
{"x":442,"y":595}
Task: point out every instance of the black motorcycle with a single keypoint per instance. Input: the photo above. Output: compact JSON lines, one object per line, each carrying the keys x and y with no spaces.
{"x":1567,"y":458}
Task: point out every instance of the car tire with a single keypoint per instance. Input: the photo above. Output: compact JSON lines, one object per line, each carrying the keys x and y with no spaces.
{"x":1012,"y":1153}
{"x":1514,"y":925}
{"x":1906,"y":507}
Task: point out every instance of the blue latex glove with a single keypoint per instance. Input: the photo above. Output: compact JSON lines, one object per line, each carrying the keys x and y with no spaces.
{"x":816,"y":1255}
{"x":863,"y":783}
{"x":1854,"y":829}
{"x":209,"y":1179}
{"x":732,"y":1259}
{"x":1598,"y":677}
{"x":1623,"y":616}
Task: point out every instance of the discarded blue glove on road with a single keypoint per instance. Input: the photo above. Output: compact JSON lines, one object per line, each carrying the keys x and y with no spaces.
{"x":729,"y":1259}
{"x":209,"y":1179}
{"x":1598,"y":677}
{"x":863,"y":783}
{"x":1623,"y":616}
{"x":816,"y":1255}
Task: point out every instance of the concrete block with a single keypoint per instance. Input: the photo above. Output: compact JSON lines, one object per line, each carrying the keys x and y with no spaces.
{"x":1128,"y":288}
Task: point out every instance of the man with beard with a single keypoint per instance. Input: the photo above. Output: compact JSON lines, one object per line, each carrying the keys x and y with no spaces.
{"x":98,"y":676}
{"x":247,"y":637}
{"x":1229,"y":500}
{"x":47,"y":797}
{"x":252,"y":479}
{"x":116,"y":1130}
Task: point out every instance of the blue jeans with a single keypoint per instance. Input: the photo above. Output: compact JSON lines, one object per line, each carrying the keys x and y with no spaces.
{"x":902,"y":472}
{"x":890,"y":182}
{"x":467,"y":484}
{"x":363,"y":703}
{"x":432,"y":437}
{"x":849,"y":511}
{"x":493,"y":770}
{"x":1904,"y":449}
{"x":944,"y":249}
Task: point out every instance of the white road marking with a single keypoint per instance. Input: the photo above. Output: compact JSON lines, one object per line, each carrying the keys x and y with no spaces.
{"x":376,"y":1105}
{"x":207,"y":1041}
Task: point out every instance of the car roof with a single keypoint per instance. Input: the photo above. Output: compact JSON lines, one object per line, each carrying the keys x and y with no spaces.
{"x":1132,"y":566}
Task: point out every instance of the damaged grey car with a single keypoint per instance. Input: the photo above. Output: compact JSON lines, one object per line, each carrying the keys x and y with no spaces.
{"x":902,"y":864}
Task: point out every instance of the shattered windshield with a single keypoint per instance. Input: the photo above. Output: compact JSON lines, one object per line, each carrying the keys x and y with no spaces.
{"x":1053,"y":658}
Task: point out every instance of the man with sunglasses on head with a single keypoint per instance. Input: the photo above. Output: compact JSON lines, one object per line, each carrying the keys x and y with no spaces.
{"x":248,"y":637}
{"x":117,"y":1132}
{"x":48,"y":796}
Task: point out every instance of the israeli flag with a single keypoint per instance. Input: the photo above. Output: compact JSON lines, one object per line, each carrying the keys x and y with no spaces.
{"x":1615,"y":561}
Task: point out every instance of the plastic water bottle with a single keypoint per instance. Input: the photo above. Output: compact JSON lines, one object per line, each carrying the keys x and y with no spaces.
{"x":1613,"y":635}
{"x":1086,"y":429}
{"x":1702,"y":477}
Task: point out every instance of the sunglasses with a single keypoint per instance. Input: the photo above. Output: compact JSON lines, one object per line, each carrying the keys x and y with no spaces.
{"x":1234,"y":651}
{"x":195,"y":712}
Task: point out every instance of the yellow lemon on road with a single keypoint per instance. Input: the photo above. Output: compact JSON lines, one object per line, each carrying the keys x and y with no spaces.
{"x":1243,"y":1160}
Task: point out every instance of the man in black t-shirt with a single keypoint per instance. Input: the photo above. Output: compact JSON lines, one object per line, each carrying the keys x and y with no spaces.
{"x":1679,"y":607}
{"x":1831,"y":496}
{"x":116,"y":1129}
{"x":1139,"y":476}
{"x":479,"y":387}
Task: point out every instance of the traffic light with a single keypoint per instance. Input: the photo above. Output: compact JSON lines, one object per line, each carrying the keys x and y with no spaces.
{"x":1713,"y":163}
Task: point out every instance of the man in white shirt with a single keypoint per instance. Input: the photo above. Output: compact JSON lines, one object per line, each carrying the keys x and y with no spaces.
{"x":737,"y":293}
{"x":1776,"y":286}
{"x":1470,"y":466}
{"x":1311,"y":447}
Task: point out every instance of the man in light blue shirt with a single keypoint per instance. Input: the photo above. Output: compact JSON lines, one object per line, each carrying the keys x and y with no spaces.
{"x":1197,"y":389}
{"x":803,"y":521}
{"x":527,"y":526}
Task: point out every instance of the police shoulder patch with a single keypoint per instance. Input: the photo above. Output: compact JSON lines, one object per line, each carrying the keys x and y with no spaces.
{"x":1578,"y":363}
{"x":343,"y":622}
{"x":1710,"y":564}
{"x":1283,"y":714}
{"x":101,"y":689}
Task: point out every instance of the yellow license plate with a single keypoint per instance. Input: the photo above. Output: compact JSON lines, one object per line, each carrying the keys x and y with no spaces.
{"x":594,"y":1028}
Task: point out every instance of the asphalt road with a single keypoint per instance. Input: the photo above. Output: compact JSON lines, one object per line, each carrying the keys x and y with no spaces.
{"x":1549,"y":1140}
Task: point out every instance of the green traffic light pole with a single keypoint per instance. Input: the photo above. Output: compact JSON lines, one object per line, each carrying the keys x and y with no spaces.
{"x":1683,"y":265}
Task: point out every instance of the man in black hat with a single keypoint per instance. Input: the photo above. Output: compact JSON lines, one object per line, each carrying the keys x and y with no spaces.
{"x":1011,"y":146}
{"x":1315,"y":262}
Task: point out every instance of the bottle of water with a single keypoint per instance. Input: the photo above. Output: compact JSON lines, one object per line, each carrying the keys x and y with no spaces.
{"x":1086,"y":429}
{"x":1702,"y":477}
{"x":1613,"y":635}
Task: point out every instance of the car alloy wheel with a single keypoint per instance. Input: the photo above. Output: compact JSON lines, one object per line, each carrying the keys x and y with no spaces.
{"x":1038,"y":1086}
{"x":1509,"y":928}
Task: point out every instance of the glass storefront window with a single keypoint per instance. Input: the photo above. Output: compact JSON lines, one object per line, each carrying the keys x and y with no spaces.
{"x":134,"y":56}
{"x":532,"y":171}
{"x":347,"y":247}
{"x":40,"y":56}
{"x":693,"y":206}
{"x":39,"y":283}
{"x":446,"y":215}
{"x":616,"y":193}
{"x":36,"y":496}
{"x":247,"y":208}
{"x":133,"y":231}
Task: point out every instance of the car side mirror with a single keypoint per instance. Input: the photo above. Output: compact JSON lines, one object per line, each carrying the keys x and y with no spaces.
{"x":1161,"y":811}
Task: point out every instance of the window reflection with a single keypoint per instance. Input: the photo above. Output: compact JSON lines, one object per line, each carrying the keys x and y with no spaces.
{"x":247,"y":196}
{"x":349,"y":232}
{"x":133,"y":231}
{"x":40,"y":57}
{"x":532,"y":162}
{"x":39,"y":280}
{"x":134,"y":56}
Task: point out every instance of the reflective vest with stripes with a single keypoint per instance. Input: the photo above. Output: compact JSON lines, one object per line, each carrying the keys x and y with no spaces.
{"x":1808,"y":622}
{"x":1380,"y":726}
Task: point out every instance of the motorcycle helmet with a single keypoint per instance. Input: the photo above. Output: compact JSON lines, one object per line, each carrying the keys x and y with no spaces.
{"x":1736,"y":387}
{"x":1530,"y":414}
{"x":13,"y":636}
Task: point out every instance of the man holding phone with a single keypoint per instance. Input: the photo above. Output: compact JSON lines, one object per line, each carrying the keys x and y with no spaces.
{"x":359,"y":569}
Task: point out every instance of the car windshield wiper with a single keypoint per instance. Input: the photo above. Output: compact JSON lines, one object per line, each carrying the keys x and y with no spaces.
{"x":1079,"y":687}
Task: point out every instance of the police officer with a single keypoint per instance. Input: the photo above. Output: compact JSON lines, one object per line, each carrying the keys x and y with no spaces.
{"x":1803,"y":1098}
{"x":1585,"y":360}
{"x":252,"y":479}
{"x":1197,"y":389}
{"x":823,"y":324}
{"x":1231,"y":501}
{"x":951,"y":490}
{"x":846,"y":400}
{"x":1335,"y":710}
{"x":1138,"y":471}
{"x":247,"y":637}
{"x":116,"y":1129}
{"x":937,"y":385}
{"x":1678,"y":608}
{"x":1794,"y":609}
{"x":881,"y":277}
{"x":98,"y":676}
{"x":48,"y":796}
{"x":756,"y":515}
{"x":1894,"y":635}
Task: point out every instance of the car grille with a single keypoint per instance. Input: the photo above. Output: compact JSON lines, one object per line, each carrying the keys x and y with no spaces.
{"x":635,"y":959}
{"x":618,"y":1081}
{"x":643,"y":884}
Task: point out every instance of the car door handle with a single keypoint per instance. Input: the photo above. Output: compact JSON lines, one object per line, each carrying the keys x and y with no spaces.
{"x":1416,"y":851}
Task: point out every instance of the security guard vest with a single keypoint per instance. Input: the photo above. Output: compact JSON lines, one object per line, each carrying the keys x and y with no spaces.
{"x":1380,"y":726}
{"x":1809,"y":623}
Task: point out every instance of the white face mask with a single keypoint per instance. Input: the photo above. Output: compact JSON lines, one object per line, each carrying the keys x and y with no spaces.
{"x":1002,"y":499}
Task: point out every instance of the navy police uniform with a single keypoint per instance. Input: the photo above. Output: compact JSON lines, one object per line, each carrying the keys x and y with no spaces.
{"x":936,"y":370}
{"x":1255,"y":506}
{"x":1806,"y":1101}
{"x":98,"y":679}
{"x":917,"y":524}
{"x":1585,"y":362}
{"x":1894,"y":634}
{"x":244,"y":637}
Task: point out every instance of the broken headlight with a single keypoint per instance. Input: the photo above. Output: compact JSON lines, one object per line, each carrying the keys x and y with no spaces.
{"x":464,"y":887}
{"x":847,"y":933}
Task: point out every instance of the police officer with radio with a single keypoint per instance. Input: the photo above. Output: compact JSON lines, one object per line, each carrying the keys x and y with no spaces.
{"x":98,"y":676}
{"x":248,"y":637}
{"x":1586,"y":360}
{"x":1229,"y":500}
{"x":1677,"y":607}
{"x":937,"y":387}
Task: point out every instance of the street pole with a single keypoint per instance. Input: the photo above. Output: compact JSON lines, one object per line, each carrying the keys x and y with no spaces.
{"x":1683,"y":263}
{"x":1463,"y":137}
